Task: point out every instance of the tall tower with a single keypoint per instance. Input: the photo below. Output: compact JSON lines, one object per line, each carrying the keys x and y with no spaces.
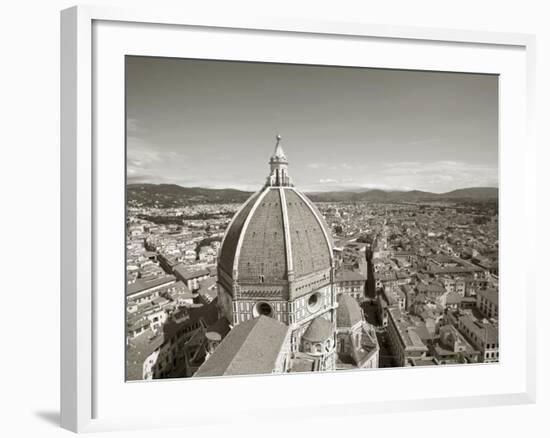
{"x":276,"y":260}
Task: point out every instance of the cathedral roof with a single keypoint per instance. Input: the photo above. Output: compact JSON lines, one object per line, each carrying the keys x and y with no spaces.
{"x":277,"y":235}
{"x":252,"y":347}
{"x":319,"y":330}
{"x":349,"y":312}
{"x":278,"y":231}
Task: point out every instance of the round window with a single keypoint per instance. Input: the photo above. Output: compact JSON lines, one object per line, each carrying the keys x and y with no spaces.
{"x":314,"y":302}
{"x":263,"y":308}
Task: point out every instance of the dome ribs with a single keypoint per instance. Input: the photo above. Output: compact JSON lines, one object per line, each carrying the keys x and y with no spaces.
{"x":309,"y":248}
{"x":262,"y":251}
{"x":233,"y":233}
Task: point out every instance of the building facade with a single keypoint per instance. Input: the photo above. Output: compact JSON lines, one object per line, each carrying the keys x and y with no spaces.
{"x":405,"y":343}
{"x":487,"y":303}
{"x":351,"y":283}
{"x":482,"y":335}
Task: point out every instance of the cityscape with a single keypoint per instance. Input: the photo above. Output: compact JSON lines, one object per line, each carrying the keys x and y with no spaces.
{"x":413,"y":283}
{"x":364,"y":236}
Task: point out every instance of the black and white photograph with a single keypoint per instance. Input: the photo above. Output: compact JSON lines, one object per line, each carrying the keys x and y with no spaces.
{"x":291,"y":218}
{"x":247,"y":219}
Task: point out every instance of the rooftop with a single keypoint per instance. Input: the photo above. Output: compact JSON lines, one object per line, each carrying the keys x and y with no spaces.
{"x":349,"y":275}
{"x":407,"y":331}
{"x":142,"y":286}
{"x":484,"y":330}
{"x":186,"y":274}
{"x":252,"y":347}
{"x":319,"y":330}
{"x":348,"y":313}
{"x":277,"y":231}
{"x":490,"y":295}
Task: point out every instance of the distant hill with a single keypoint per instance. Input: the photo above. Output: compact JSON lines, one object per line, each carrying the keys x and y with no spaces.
{"x":172,"y":195}
{"x":474,"y":193}
{"x":376,"y":195}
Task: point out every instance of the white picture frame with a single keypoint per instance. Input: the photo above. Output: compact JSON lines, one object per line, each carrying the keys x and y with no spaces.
{"x":85,"y":385}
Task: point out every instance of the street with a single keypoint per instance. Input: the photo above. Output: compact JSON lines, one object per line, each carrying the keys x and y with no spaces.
{"x":386,"y":358}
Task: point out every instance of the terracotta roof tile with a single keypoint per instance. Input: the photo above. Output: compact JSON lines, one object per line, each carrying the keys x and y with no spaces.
{"x":319,"y":330}
{"x":349,"y":312}
{"x":252,"y":347}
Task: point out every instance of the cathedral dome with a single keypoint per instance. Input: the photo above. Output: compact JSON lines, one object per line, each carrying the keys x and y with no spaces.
{"x":320,"y":330}
{"x":277,"y":236}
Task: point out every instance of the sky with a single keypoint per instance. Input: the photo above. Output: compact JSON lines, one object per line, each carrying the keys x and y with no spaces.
{"x":202,"y":123}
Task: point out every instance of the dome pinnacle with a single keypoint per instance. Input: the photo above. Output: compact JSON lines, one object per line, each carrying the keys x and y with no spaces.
{"x":279,"y":153}
{"x":278,"y":163}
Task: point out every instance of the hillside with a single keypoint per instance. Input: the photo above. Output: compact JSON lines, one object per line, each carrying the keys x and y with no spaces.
{"x":376,"y":195}
{"x":172,"y":195}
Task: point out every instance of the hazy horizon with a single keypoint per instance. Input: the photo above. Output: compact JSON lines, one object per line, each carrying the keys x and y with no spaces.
{"x":357,"y":190}
{"x":212,"y":124}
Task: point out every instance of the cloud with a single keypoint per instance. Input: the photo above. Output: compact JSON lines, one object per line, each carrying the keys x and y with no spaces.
{"x":146,"y":164}
{"x":316,"y":165}
{"x":333,"y":166}
{"x":436,"y":176}
{"x":140,"y":158}
{"x":439,"y":176}
{"x":131,"y":125}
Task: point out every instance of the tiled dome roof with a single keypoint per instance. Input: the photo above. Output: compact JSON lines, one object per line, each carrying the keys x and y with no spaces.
{"x":349,"y":312}
{"x":319,"y":330}
{"x":278,"y":231}
{"x":278,"y":236}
